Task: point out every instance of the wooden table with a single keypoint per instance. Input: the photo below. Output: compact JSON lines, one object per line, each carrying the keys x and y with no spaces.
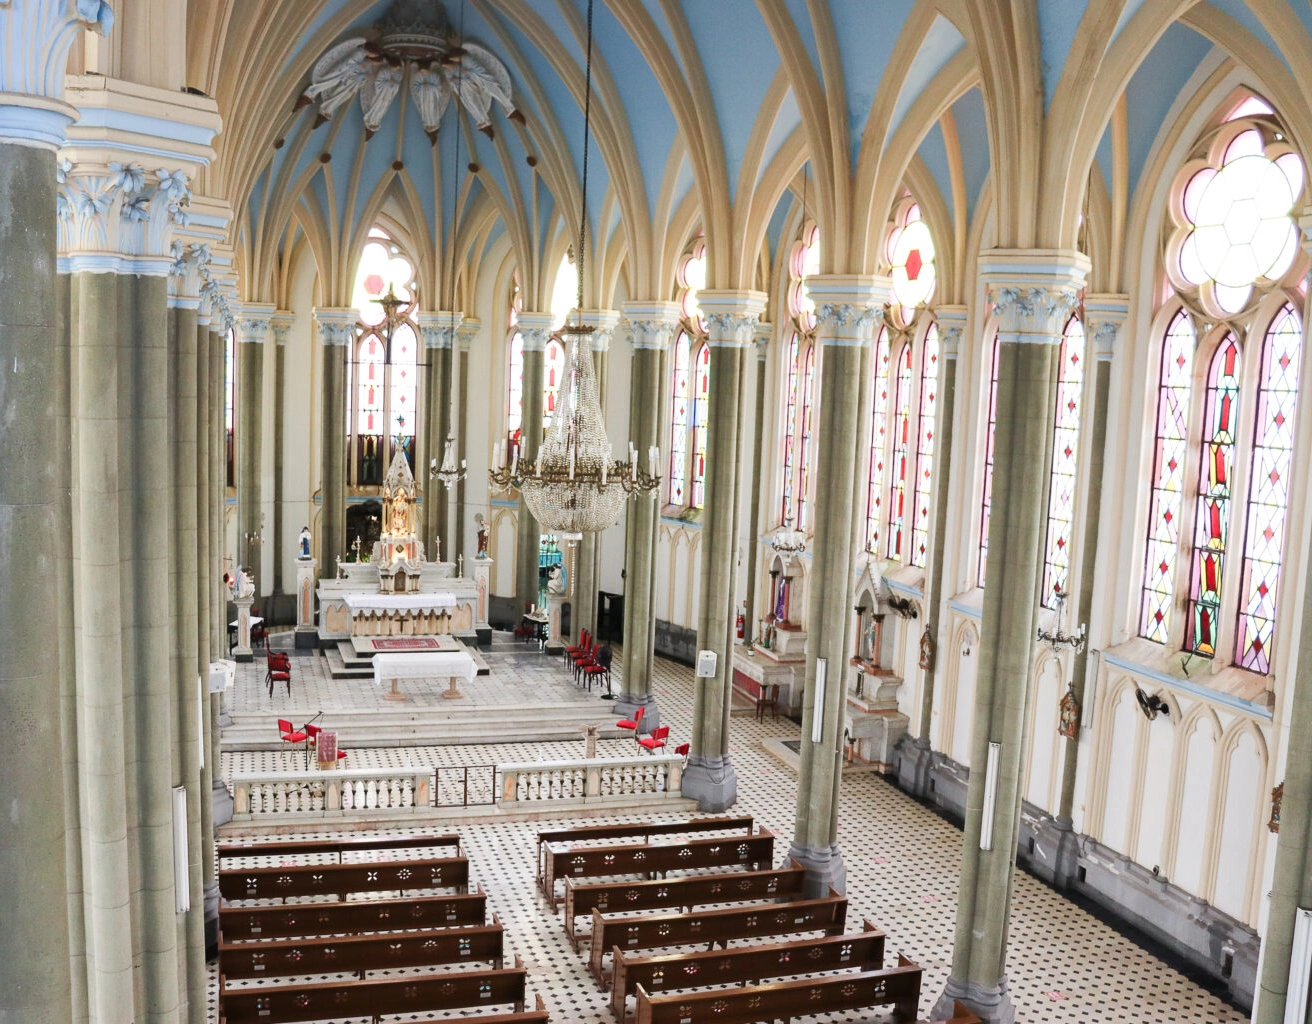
{"x":455,"y":665}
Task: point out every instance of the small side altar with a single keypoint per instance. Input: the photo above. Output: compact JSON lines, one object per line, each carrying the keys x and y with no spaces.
{"x":397,"y":592}
{"x":873,"y":724}
{"x":776,"y":661}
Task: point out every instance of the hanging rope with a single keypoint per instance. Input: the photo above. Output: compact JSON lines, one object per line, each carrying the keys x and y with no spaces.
{"x":587,"y":136}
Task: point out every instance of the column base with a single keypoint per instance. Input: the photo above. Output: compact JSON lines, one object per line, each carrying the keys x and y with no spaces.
{"x":307,"y":638}
{"x":990,"y":1003}
{"x":212,"y":921}
{"x":243,"y":654}
{"x":1066,"y":864}
{"x":825,"y":869}
{"x":915,"y":759}
{"x":220,"y":803}
{"x":711,"y":781}
{"x":627,"y":704}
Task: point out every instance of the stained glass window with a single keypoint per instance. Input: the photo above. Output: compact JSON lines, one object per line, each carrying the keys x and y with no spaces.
{"x":901,"y":454}
{"x":553,"y":374}
{"x":1215,"y":489}
{"x":1169,"y":460}
{"x":515,"y":394}
{"x":987,"y":503}
{"x":1065,"y":462}
{"x":680,"y":418}
{"x":405,"y":376}
{"x":692,"y":278}
{"x":925,"y":432}
{"x":910,"y":249}
{"x":230,"y":393}
{"x":804,"y":447}
{"x":1268,"y":491}
{"x":700,"y":410}
{"x":790,"y":426}
{"x":878,"y":441}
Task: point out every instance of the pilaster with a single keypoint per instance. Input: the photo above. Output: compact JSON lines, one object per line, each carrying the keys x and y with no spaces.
{"x":651,"y":327}
{"x":253,"y":324}
{"x":440,"y":331}
{"x":336,"y":332}
{"x":847,"y":311}
{"x":1032,"y":292}
{"x":731,"y":318}
{"x":764,"y":332}
{"x":281,"y":324}
{"x":535,"y":329}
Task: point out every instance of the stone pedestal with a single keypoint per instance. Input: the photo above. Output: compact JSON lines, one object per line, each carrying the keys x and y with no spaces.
{"x":306,"y":635}
{"x":243,"y":652}
{"x":482,"y":576}
{"x":756,"y":669}
{"x":555,"y":607}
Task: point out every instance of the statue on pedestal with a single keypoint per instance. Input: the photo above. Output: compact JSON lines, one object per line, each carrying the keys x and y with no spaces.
{"x":305,"y":542}
{"x":242,"y":584}
{"x":482,"y":534}
{"x":555,"y":580}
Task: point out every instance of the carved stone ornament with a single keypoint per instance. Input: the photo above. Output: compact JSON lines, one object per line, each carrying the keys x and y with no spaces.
{"x":1277,"y":798}
{"x":1032,"y":314}
{"x":120,"y":209}
{"x":1068,"y":715}
{"x":651,"y":333}
{"x":733,"y":329}
{"x":850,"y":322}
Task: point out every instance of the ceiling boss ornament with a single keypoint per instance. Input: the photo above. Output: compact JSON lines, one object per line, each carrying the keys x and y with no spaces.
{"x":414,"y":44}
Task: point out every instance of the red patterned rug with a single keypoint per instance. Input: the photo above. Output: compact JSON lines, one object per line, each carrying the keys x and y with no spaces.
{"x":406,"y":643}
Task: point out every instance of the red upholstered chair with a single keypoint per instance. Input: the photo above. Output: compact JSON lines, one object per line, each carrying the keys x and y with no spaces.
{"x":655,"y":740}
{"x":289,"y":733}
{"x":280,"y":671}
{"x":585,"y":658}
{"x":312,"y":732}
{"x":582,"y":647}
{"x":634,"y":722}
{"x":599,"y":667}
{"x":682,"y":751}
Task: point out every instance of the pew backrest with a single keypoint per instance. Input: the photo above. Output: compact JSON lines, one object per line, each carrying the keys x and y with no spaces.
{"x":287,"y":881}
{"x":292,"y":920}
{"x":336,"y":847}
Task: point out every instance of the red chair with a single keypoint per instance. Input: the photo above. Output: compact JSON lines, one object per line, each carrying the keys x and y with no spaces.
{"x":655,"y":740}
{"x":582,"y":647}
{"x":585,"y":658}
{"x":682,"y":751}
{"x":599,"y":666}
{"x":634,"y":722}
{"x":312,"y":731}
{"x":280,"y":671}
{"x":289,"y":733}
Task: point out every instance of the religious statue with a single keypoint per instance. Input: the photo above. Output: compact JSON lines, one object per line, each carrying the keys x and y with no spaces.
{"x":927,"y":648}
{"x":242,"y":585}
{"x":305,"y":542}
{"x":556,"y":580}
{"x":1068,"y":720}
{"x":870,"y":639}
{"x":400,"y":519}
{"x":482,"y":534}
{"x":1277,"y":798}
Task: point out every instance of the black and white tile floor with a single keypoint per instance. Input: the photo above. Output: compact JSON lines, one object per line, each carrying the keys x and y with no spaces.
{"x":902,"y":862}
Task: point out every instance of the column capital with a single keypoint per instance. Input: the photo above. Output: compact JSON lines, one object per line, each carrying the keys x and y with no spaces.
{"x":652,"y":325}
{"x":1033,"y":291}
{"x":535,"y":328}
{"x":951,"y":322}
{"x":731,"y":316}
{"x":335,"y":324}
{"x":282,"y":321}
{"x":34,"y":39}
{"x":603,"y":323}
{"x":761,"y":335}
{"x":1104,"y":319}
{"x":468,"y":331}
{"x":253,"y":322}
{"x":188,"y":274}
{"x":848,"y":308}
{"x":440,"y":328}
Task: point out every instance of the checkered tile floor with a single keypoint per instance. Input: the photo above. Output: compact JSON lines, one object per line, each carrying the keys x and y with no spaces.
{"x":902,"y":863}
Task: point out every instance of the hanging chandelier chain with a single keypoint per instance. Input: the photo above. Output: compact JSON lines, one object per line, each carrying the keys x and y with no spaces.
{"x":587,"y":139}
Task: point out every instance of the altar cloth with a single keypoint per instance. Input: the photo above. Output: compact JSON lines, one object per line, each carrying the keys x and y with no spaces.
{"x":429,"y":665}
{"x":426,"y":603}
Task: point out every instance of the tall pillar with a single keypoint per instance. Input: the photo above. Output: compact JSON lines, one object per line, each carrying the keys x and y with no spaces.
{"x":652,"y":326}
{"x":918,"y":759}
{"x":535,"y":329}
{"x":282,"y":324}
{"x":439,"y":331}
{"x":469,"y":328}
{"x":252,"y":329}
{"x":731,"y":318}
{"x":847,"y":309}
{"x":34,"y":522}
{"x":583,"y":611}
{"x":764,"y":331}
{"x":1032,"y":293}
{"x":336,"y":333}
{"x":218,"y":449}
{"x":1104,"y":317}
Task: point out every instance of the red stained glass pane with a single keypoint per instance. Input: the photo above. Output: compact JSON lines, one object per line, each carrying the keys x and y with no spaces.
{"x":1065,"y":463}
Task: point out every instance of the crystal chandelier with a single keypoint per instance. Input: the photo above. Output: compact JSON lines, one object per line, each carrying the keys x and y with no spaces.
{"x":447,"y":472}
{"x":1059,"y":639}
{"x":787,"y":540}
{"x":573,"y":486}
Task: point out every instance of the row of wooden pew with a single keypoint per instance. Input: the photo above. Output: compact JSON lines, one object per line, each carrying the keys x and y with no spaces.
{"x":749,"y":903}
{"x":439,"y":923}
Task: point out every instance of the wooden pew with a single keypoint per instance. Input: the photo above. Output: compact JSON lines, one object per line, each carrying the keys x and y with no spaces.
{"x":743,"y":964}
{"x":332,"y":954}
{"x":337,"y":847}
{"x":828,"y":914}
{"x":961,"y":1014}
{"x":534,"y":1016}
{"x":292,"y":920}
{"x":652,"y":859}
{"x":335,"y":879}
{"x":551,"y":862}
{"x":784,"y":999}
{"x":333,"y":1000}
{"x":695,"y":891}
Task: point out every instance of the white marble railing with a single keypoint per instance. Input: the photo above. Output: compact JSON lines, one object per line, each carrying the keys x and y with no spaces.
{"x":595,"y":780}
{"x":331,"y":792}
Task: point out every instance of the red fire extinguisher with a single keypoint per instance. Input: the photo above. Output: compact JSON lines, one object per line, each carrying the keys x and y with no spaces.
{"x":741,"y":625}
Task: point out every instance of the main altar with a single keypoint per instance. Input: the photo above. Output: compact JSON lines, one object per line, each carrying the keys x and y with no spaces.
{"x":397,"y":592}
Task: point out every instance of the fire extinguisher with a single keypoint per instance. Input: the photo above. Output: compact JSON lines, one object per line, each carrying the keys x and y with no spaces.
{"x":741,"y":625}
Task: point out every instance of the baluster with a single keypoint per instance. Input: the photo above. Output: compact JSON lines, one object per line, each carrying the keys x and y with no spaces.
{"x":280,"y":797}
{"x":407,"y":794}
{"x":316,"y":797}
{"x":371,"y":794}
{"x":396,"y":794}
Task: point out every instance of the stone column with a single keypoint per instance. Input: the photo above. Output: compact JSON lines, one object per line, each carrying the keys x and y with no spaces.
{"x":469,"y":328}
{"x":336,"y":333}
{"x":439,"y":332}
{"x":584,"y":585}
{"x":1032,"y":293}
{"x":282,"y":324}
{"x":764,"y":330}
{"x":847,"y":311}
{"x":535,"y":329}
{"x":1104,"y":319}
{"x":218,"y":490}
{"x":34,"y":523}
{"x":252,"y":329}
{"x":652,"y":326}
{"x":731,"y":318}
{"x":918,"y":756}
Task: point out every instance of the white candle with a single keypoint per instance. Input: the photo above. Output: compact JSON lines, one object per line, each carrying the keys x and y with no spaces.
{"x":514,"y":464}
{"x":539,"y":462}
{"x":462,"y":465}
{"x":651,"y":460}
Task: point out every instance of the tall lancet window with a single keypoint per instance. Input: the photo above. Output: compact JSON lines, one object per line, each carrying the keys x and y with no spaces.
{"x":230,"y":402}
{"x":690,"y":389}
{"x":800,"y":389}
{"x":382,"y":373}
{"x":1062,"y":477}
{"x":1227,"y":395}
{"x":553,"y":355}
{"x":990,"y":427}
{"x":878,"y":445}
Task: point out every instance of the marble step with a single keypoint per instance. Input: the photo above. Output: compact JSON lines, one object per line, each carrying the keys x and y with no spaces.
{"x":421,"y":727}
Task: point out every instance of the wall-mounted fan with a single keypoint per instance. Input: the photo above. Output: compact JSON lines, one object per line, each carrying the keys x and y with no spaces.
{"x":1151,"y":705}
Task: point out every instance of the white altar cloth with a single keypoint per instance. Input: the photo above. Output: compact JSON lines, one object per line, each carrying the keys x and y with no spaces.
{"x":425,"y":665}
{"x":436,"y":602}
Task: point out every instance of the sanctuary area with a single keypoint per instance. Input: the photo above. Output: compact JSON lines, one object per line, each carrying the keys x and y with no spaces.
{"x":655,"y":510}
